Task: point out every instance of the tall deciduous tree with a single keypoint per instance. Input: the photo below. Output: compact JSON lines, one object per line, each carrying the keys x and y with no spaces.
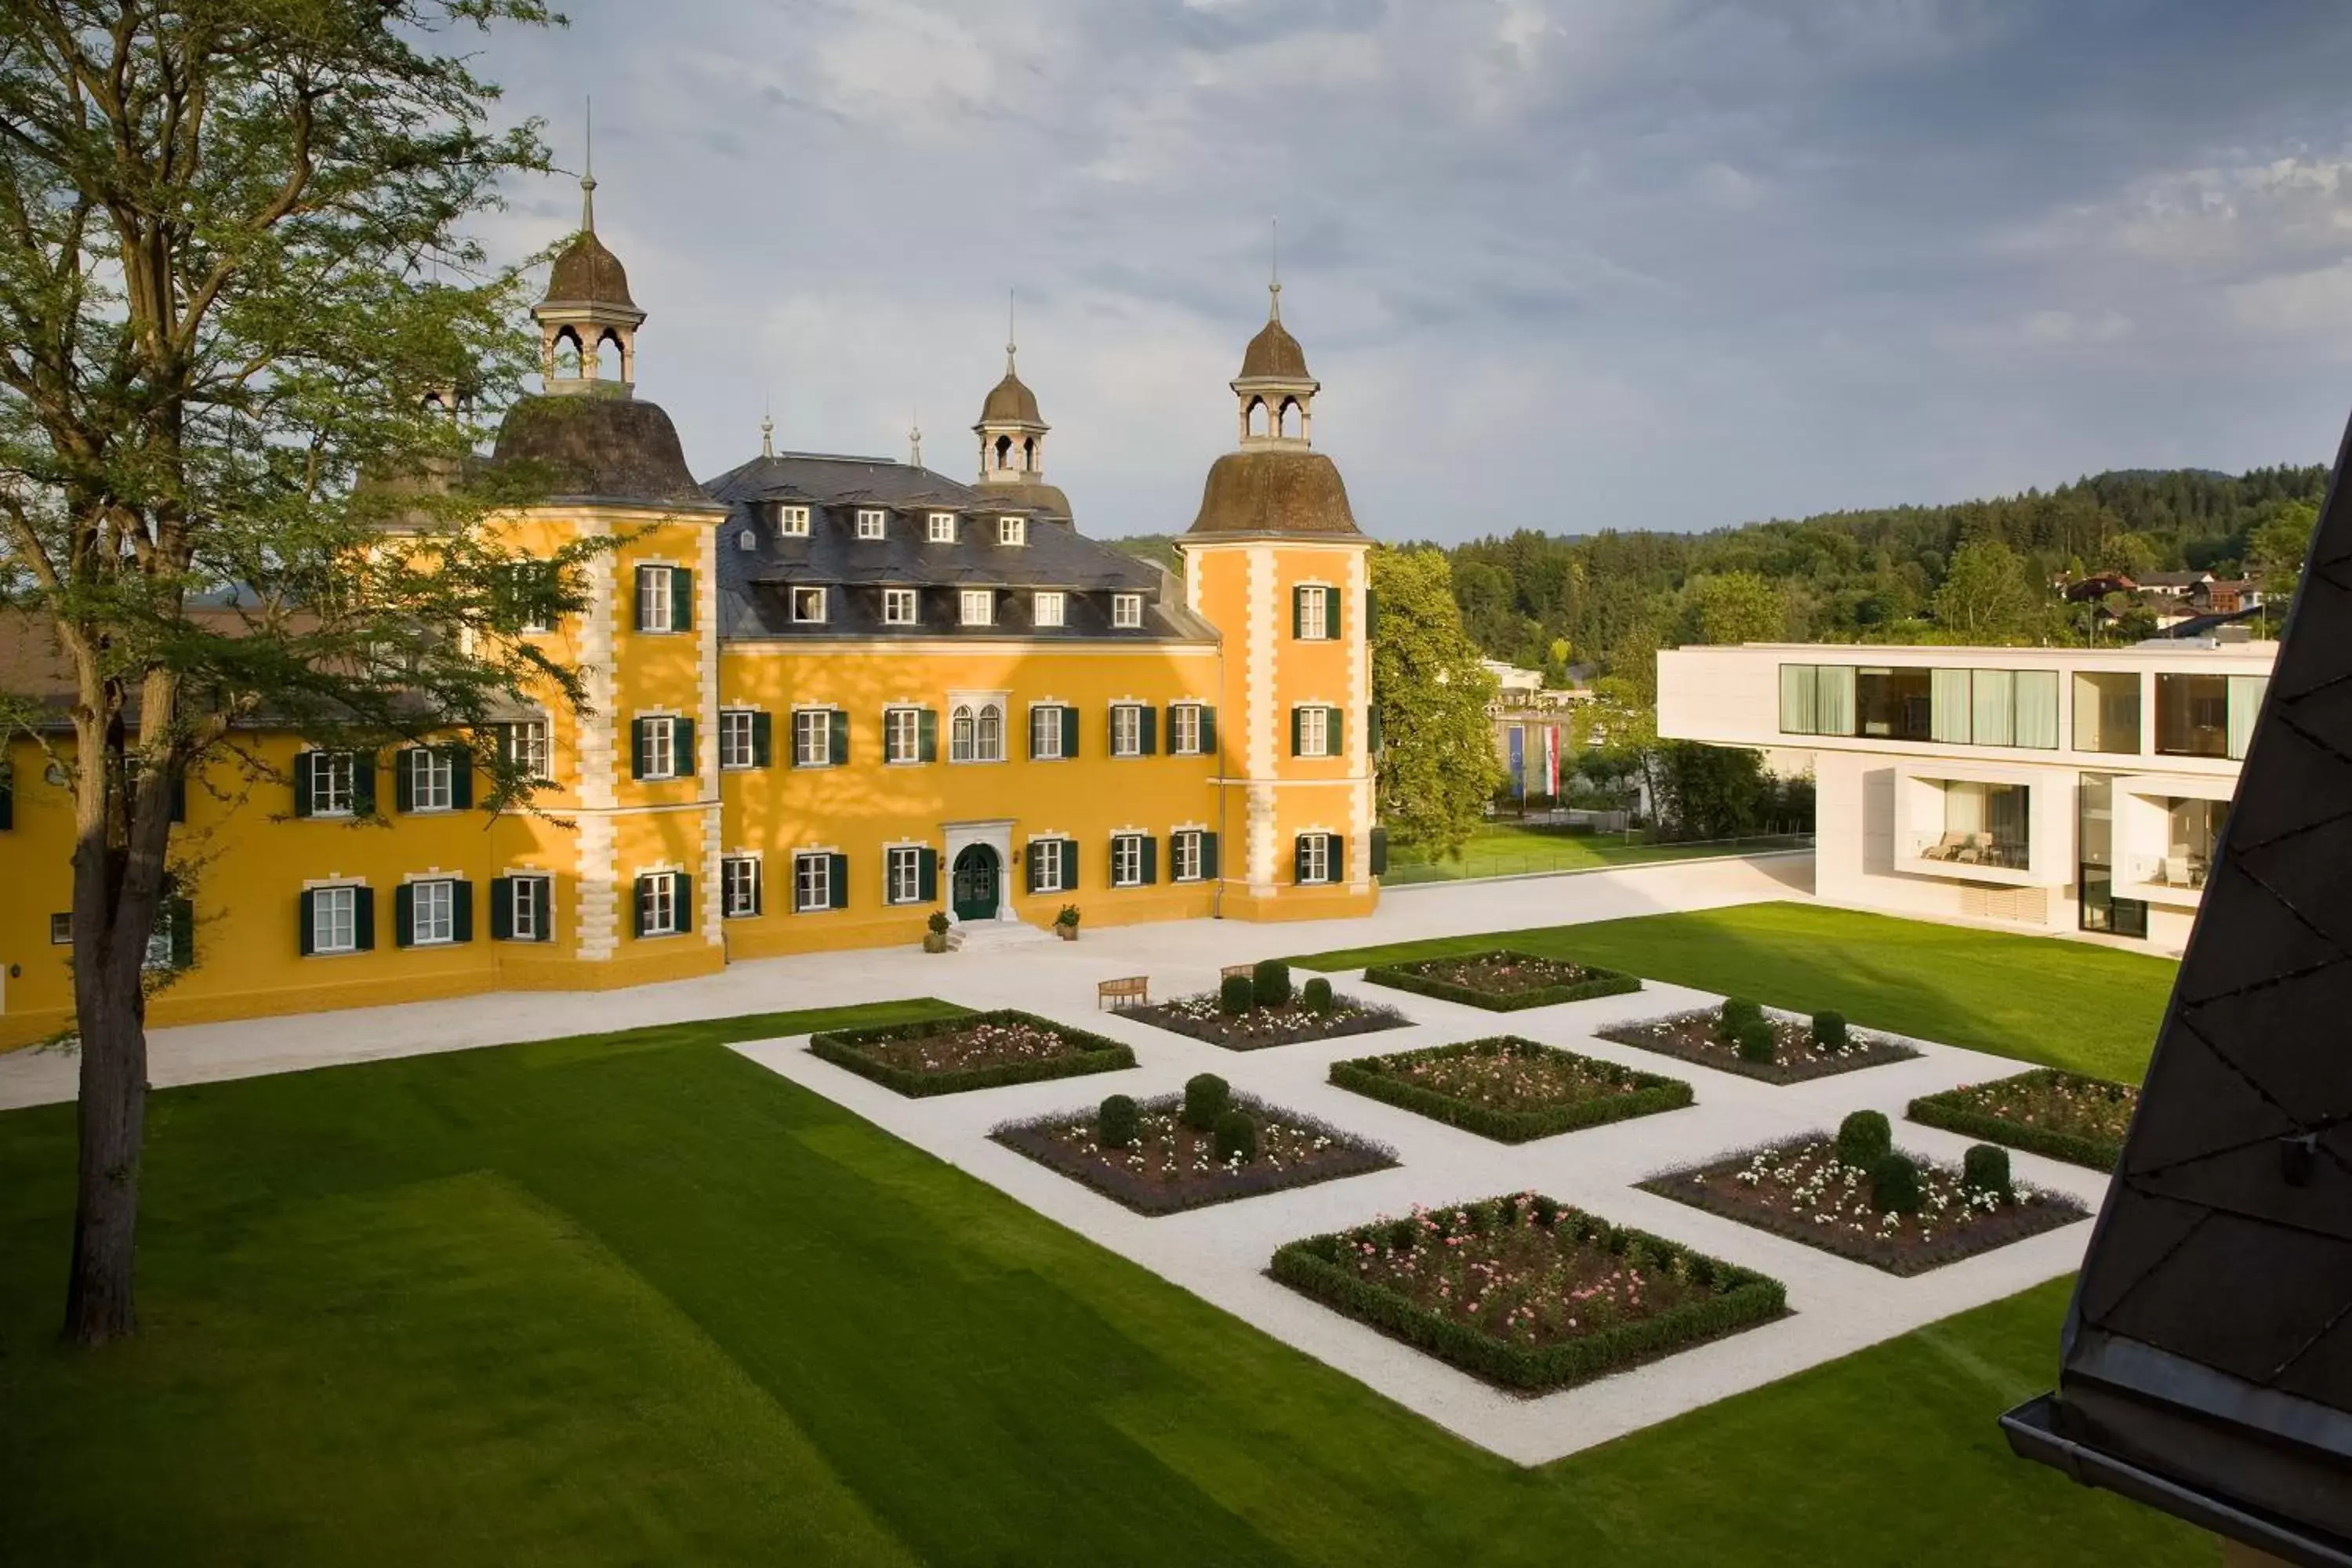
{"x":1734,"y":607}
{"x":1985,"y":596}
{"x":220,"y":226}
{"x":1437,"y":767}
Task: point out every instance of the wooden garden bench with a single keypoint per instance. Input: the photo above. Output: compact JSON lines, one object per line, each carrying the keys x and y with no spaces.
{"x":1241,"y":971}
{"x":1134,"y":989}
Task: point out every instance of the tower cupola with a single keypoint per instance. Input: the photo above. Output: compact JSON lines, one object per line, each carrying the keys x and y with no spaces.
{"x":1011,"y":433}
{"x":586,"y":309}
{"x":1278,"y":396}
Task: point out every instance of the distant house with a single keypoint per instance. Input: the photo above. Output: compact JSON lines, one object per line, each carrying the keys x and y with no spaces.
{"x":2225,"y":596}
{"x":2097,"y":587}
{"x":2174,"y":584}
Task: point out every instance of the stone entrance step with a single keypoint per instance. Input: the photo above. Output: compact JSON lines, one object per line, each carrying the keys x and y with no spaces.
{"x":995,"y":936}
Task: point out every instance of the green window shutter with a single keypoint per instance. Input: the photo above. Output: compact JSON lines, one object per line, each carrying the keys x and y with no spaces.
{"x":1379,"y":851}
{"x":302,"y":761}
{"x":637,"y":728}
{"x":839,"y":743}
{"x":363,"y":783}
{"x":927,"y":875}
{"x":1335,"y":739}
{"x":1331,"y":614}
{"x":637,"y":908}
{"x":1069,"y":732}
{"x":1069,"y":865}
{"x":461,"y":912}
{"x":461,"y":777}
{"x":684,"y":888}
{"x":681,"y":599}
{"x":1208,"y":856}
{"x":546,"y":908}
{"x":363,"y":919}
{"x":1298,"y":858}
{"x":306,"y":917}
{"x":404,"y":780}
{"x":1208,"y":731}
{"x":183,"y":917}
{"x":503,"y":909}
{"x":1110,"y":730}
{"x":838,"y":881}
{"x":759,"y":890}
{"x":1339,"y":855}
{"x":1151,"y":860}
{"x":1298,"y":611}
{"x":1147,"y":720}
{"x":1029,"y":869}
{"x":1294,"y":731}
{"x":404,"y":914}
{"x":683,"y":762}
{"x":638,"y":596}
{"x":1110,"y":861}
{"x":763,"y":743}
{"x":927,"y":736}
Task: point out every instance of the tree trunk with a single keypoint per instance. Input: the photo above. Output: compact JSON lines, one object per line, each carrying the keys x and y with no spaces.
{"x":114,"y":1115}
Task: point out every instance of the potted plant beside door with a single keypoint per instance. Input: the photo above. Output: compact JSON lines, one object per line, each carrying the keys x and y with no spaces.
{"x":1065,"y":924}
{"x":935,"y":940}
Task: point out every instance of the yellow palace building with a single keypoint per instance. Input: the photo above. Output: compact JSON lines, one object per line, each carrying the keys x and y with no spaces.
{"x":828,"y":696}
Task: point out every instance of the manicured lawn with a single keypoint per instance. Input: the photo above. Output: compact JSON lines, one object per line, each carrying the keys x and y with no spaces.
{"x":2062,"y":1004}
{"x":1508,"y":848}
{"x":634,"y":1299}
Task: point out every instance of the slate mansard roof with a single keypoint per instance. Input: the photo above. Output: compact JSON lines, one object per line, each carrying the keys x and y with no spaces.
{"x":753,"y":583}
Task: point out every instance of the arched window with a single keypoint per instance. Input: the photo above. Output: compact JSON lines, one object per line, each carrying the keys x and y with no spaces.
{"x":991,"y":745}
{"x":1288,"y":418}
{"x":619,"y":364}
{"x":960,"y":736}
{"x":1029,"y":455}
{"x":1004,"y":452}
{"x":1257,"y":416}
{"x":567,"y":355}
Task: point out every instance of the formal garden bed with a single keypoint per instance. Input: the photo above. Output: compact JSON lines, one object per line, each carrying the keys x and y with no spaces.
{"x":1524,"y":1292}
{"x":1207,"y":1145}
{"x":1250,"y":1011}
{"x":978,"y":1050}
{"x":2047,"y":1111}
{"x":1742,"y":1037}
{"x":1858,"y":1196}
{"x":1502,"y":981}
{"x":1509,"y":1088}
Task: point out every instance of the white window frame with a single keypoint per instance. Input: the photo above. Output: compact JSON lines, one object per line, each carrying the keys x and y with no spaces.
{"x":1314,"y":729}
{"x":1126,"y":729}
{"x":939,"y":528}
{"x":1055,"y":853}
{"x":812,"y":882}
{"x":1185,"y":855}
{"x":1127,"y":611}
{"x":963,"y":727}
{"x":431,"y":778}
{"x":1049,"y":608}
{"x":432,"y":913}
{"x":657,"y":902}
{"x":809,"y":722}
{"x":873,"y":522}
{"x":1127,"y":860}
{"x":736,"y":749}
{"x":805,"y":597}
{"x":1317,"y":859}
{"x":1314,"y":612}
{"x":666,"y":603}
{"x":332,"y":783}
{"x":738,"y":886}
{"x":988,"y":734}
{"x":902,"y":735}
{"x":1184,"y":729}
{"x":334,"y":920}
{"x":1045,"y":726}
{"x":661,"y":747}
{"x":900,"y":606}
{"x":902,"y":874}
{"x":980,"y":599}
{"x":61,"y":931}
{"x":1012,"y":531}
{"x":792,"y":523}
{"x":527,"y":898}
{"x":528,"y":748}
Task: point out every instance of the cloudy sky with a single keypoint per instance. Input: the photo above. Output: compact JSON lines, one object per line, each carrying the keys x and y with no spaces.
{"x":1562,"y":263}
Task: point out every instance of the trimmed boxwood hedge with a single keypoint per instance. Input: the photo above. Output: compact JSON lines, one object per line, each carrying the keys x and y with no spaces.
{"x":1408,"y":977}
{"x":1951,"y":1111}
{"x":1742,"y":1300}
{"x":1371,"y":1076}
{"x":1094,"y":1053}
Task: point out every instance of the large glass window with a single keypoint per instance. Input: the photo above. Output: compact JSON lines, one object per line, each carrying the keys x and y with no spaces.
{"x":2192,"y":715}
{"x":1817,"y":698}
{"x":1994,"y":708}
{"x":1893,"y":704}
{"x":2107,"y":711}
{"x":2245,"y":705}
{"x":902,"y":734}
{"x":334,"y":920}
{"x":1984,"y":824}
{"x":2191,"y":829}
{"x":2098,"y":908}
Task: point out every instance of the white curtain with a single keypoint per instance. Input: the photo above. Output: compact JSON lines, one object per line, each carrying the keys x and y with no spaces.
{"x":2037,"y":709}
{"x":1964,"y":808}
{"x":2245,"y":705}
{"x":1798,"y":713}
{"x":1949,"y":706}
{"x":1834,"y":705}
{"x":1995,"y":707}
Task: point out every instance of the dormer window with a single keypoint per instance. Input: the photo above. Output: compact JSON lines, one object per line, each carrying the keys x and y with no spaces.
{"x":1127,"y":611}
{"x":792,"y":523}
{"x":1012,"y":531}
{"x":808,"y":603}
{"x":898,"y":607}
{"x":870,"y":522}
{"x":979,"y":607}
{"x":940,"y":528}
{"x":1051,"y":608}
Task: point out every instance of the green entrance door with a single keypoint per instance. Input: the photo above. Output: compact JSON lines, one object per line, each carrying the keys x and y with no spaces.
{"x":975,"y":883}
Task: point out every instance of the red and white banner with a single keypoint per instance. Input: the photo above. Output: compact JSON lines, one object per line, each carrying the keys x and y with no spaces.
{"x":1551,"y":760}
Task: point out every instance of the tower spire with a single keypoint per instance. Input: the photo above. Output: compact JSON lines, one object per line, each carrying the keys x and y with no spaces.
{"x":766,"y":430}
{"x":1274,"y":276}
{"x":1010,"y":338}
{"x":588,"y":173}
{"x":914,"y":439}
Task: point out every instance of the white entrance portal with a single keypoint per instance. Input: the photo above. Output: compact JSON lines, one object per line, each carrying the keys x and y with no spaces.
{"x":996,"y":835}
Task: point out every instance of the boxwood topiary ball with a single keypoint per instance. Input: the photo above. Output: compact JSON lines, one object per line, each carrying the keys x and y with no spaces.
{"x":1206,"y":1097}
{"x":1829,"y":1031}
{"x":1119,"y":1122}
{"x":1317,"y":995}
{"x":1234,"y":1136}
{"x":1863,"y":1139}
{"x":1895,"y":1185}
{"x":1738,"y":1013}
{"x":1271,"y":980}
{"x":1758,"y":1040}
{"x":1985,"y":1169}
{"x":1236,"y":996}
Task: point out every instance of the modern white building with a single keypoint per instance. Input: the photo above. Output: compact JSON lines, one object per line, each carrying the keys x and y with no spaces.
{"x":2057,"y":789}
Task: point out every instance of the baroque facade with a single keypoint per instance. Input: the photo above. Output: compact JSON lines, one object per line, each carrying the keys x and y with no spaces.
{"x":827,"y":696}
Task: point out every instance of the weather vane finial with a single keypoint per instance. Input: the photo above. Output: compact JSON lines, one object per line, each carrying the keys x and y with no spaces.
{"x":767,"y":429}
{"x":588,"y":173}
{"x":914,"y":439}
{"x":1009,"y":336}
{"x":1274,"y":278}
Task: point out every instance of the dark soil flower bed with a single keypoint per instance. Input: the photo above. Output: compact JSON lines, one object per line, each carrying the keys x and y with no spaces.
{"x":1697,"y":1037}
{"x":1800,"y":1190}
{"x":2046,"y":1112}
{"x":1510,"y":1088}
{"x":1502,"y":981}
{"x":978,"y":1050}
{"x":1288,"y":1024}
{"x":1525,"y":1293}
{"x":1172,"y":1166}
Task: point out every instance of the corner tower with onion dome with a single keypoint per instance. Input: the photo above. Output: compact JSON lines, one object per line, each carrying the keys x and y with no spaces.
{"x":1276,"y":562}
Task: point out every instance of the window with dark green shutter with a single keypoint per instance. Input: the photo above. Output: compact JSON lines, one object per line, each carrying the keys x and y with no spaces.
{"x":1208,"y":856}
{"x":1331,"y":614}
{"x":182,"y":915}
{"x":1151,"y":860}
{"x":928,"y":868}
{"x":927,"y":729}
{"x":1208,"y":731}
{"x":838,"y":746}
{"x":1069,"y":732}
{"x":840,"y":881}
{"x":763,"y":740}
{"x":1150,"y":719}
{"x":1379,"y":852}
